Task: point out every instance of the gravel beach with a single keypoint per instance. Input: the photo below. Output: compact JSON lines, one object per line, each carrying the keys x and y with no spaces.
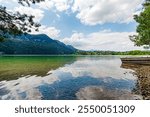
{"x":143,"y":81}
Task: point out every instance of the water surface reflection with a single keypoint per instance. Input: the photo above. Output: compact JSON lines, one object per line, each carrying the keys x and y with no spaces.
{"x":82,"y":77}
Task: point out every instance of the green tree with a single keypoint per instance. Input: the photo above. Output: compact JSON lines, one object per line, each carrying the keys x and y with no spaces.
{"x":16,"y":23}
{"x":143,"y":28}
{"x":28,"y":2}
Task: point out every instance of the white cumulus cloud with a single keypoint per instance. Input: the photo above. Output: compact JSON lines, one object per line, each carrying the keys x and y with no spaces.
{"x":60,"y":5}
{"x":103,"y":40}
{"x":92,"y":12}
{"x":47,"y":4}
{"x":39,"y":14}
{"x":52,"y":32}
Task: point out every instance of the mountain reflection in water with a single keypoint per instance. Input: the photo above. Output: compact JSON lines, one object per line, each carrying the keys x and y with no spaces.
{"x":14,"y":67}
{"x":66,"y":77}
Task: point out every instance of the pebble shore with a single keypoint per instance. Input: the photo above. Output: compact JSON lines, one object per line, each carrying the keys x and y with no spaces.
{"x":143,"y":82}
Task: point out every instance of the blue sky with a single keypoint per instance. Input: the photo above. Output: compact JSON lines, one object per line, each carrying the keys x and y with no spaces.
{"x":85,"y":24}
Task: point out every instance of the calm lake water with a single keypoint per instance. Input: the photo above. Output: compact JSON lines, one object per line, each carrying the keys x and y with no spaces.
{"x":66,"y":78}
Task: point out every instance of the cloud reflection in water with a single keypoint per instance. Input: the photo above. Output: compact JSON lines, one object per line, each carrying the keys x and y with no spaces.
{"x":78,"y":80}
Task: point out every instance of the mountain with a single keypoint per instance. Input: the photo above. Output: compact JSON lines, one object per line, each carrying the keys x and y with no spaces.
{"x":35,"y":44}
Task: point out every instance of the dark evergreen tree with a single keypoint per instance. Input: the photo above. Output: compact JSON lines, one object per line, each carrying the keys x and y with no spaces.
{"x":28,"y":2}
{"x":16,"y":23}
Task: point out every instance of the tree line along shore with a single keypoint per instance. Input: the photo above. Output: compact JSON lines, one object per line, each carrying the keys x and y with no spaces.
{"x":134,"y":52}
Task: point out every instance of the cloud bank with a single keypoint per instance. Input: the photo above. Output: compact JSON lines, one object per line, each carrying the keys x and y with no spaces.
{"x":94,"y":12}
{"x":102,"y":40}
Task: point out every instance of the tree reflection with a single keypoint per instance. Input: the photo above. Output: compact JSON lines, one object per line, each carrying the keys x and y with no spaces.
{"x":12,"y":68}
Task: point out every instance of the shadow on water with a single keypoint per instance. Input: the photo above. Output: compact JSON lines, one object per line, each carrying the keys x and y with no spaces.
{"x":14,"y":67}
{"x":143,"y":81}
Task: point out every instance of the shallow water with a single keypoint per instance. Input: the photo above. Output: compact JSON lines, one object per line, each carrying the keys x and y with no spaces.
{"x":66,"y":78}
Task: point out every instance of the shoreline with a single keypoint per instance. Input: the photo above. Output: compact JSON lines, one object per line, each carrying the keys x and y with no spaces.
{"x":136,"y":60}
{"x":137,"y":56}
{"x":143,"y":79}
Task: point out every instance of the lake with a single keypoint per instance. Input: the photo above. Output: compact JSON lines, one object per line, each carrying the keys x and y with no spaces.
{"x":66,"y":78}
